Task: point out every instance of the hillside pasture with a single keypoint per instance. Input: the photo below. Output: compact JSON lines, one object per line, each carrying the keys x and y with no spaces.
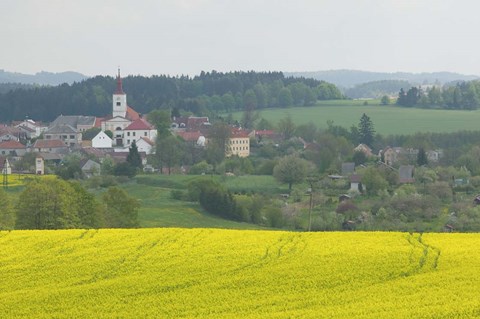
{"x":208,"y":273}
{"x":386,"y":119}
{"x":159,"y":209}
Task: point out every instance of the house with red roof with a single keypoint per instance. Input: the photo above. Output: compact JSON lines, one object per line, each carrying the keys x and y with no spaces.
{"x":238,"y":144}
{"x":12,"y":148}
{"x":138,"y":129}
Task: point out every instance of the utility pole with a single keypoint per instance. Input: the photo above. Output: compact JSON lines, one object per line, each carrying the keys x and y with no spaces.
{"x":311,"y":180}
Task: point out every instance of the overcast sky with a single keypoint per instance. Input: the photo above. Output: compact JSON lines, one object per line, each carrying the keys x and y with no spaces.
{"x":186,"y":36}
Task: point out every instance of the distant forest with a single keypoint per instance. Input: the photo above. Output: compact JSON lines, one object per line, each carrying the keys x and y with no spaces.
{"x":201,"y":95}
{"x":461,"y":96}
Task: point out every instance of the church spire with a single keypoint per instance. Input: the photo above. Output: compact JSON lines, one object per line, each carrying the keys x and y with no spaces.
{"x":119,"y":84}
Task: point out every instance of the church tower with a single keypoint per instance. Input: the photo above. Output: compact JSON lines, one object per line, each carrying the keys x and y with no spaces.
{"x":119,"y":99}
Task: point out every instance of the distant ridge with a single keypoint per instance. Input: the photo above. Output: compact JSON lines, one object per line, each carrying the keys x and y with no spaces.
{"x":350,"y":78}
{"x":41,"y":78}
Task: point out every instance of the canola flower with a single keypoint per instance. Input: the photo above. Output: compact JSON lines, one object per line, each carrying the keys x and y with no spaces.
{"x":211,"y":273}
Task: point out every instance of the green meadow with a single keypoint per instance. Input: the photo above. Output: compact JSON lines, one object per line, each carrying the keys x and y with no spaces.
{"x":387,"y":119}
{"x":159,"y":209}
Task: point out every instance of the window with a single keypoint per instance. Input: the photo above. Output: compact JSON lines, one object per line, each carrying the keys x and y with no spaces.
{"x":128,"y":133}
{"x":72,"y":137}
{"x":145,"y":134}
{"x":118,"y":103}
{"x":133,"y":133}
{"x":128,"y":141}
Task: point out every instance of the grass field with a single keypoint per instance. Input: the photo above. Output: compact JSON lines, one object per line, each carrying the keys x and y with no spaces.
{"x":386,"y":119}
{"x":158,"y":209}
{"x":207,"y":273}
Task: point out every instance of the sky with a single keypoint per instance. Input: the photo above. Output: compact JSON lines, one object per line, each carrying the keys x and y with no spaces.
{"x":175,"y":37}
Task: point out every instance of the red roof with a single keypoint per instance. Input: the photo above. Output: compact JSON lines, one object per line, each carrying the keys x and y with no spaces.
{"x":119,"y":89}
{"x":98,"y":121}
{"x":48,"y":144}
{"x":132,"y":115}
{"x":146,"y":139}
{"x":11,"y":145}
{"x":190,"y":136}
{"x":238,"y":133}
{"x":139,"y":124}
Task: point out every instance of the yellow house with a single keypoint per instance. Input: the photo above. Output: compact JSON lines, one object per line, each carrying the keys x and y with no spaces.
{"x":238,"y":143}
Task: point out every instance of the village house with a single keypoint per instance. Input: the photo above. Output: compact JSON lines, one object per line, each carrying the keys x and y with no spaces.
{"x":145,"y":145}
{"x":364,"y":149}
{"x":12,"y":148}
{"x":89,"y":167}
{"x":50,"y":146}
{"x":191,"y":123}
{"x":11,"y":133}
{"x":102,"y":140}
{"x":31,"y":128}
{"x":138,"y":129}
{"x":69,"y":135}
{"x":238,"y":144}
{"x":79,"y":122}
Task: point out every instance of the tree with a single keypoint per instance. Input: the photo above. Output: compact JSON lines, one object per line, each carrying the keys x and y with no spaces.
{"x":170,"y":151}
{"x":385,"y":100}
{"x":89,"y":134}
{"x":218,"y":136}
{"x":373,"y":181}
{"x":161,"y":120}
{"x":291,"y":170}
{"x":365,"y":130}
{"x":7,"y":216}
{"x":133,"y":157}
{"x":121,"y":210}
{"x":47,"y":203}
{"x":70,"y":167}
{"x":249,"y":116}
{"x":285,"y":97}
{"x":422,"y":157}
{"x":286,"y":127}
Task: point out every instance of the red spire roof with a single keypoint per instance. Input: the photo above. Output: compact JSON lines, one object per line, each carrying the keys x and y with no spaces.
{"x":119,"y":84}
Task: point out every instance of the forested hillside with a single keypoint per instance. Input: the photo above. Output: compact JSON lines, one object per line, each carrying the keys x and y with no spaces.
{"x":41,"y":78}
{"x":207,"y":92}
{"x":350,"y":78}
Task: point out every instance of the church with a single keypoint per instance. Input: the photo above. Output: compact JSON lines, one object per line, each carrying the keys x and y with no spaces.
{"x":125,"y":123}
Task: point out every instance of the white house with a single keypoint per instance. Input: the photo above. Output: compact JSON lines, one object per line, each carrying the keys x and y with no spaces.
{"x":137,"y":129}
{"x":145,"y":145}
{"x":102,"y":140}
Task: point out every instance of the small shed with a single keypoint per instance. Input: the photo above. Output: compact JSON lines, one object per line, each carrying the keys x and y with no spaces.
{"x":356,"y":183}
{"x":39,"y":165}
{"x":348,"y":168}
{"x":405,"y":174}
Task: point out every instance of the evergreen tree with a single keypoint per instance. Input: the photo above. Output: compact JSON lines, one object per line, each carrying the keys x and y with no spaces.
{"x":365,"y":130}
{"x":133,"y":157}
{"x":422,"y":157}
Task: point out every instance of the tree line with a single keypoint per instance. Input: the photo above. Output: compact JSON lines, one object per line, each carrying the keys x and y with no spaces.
{"x":460,"y":96}
{"x":204,"y":93}
{"x":53,"y":203}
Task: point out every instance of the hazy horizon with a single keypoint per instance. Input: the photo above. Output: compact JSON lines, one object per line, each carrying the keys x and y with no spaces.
{"x":185,"y":37}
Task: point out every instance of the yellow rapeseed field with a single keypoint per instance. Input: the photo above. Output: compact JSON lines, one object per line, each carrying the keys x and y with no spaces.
{"x":211,"y":273}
